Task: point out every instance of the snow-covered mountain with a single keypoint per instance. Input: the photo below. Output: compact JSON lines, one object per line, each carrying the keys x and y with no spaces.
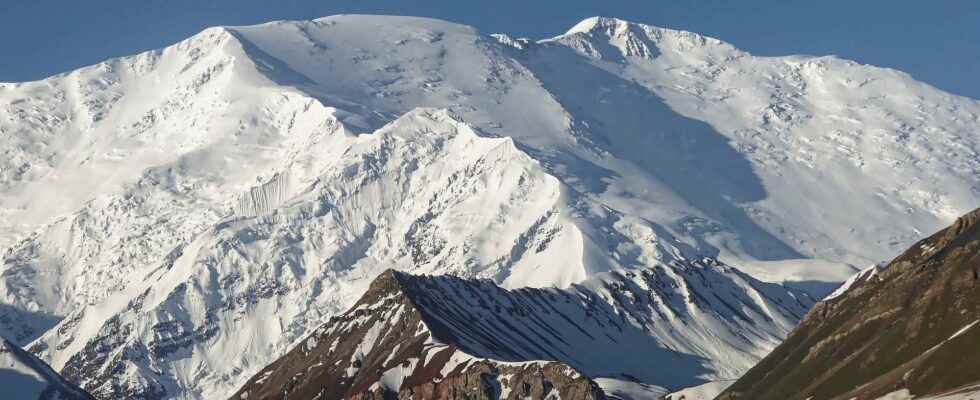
{"x":23,"y":376}
{"x":229,"y":193}
{"x":676,"y":324}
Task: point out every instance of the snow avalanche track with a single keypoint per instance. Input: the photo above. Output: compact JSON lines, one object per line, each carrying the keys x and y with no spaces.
{"x":230,"y":193}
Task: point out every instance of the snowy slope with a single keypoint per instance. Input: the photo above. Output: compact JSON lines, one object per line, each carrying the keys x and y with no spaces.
{"x":705,"y":319}
{"x":229,"y":193}
{"x":22,"y":376}
{"x":835,"y":160}
{"x":706,"y":391}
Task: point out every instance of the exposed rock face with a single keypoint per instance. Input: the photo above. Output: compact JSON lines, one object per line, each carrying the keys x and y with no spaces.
{"x":424,"y":337}
{"x":24,"y":377}
{"x":383,"y":349}
{"x":488,"y":380}
{"x":913,"y":325}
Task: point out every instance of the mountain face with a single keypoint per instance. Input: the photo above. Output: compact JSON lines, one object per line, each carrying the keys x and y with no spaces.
{"x":910,"y":327}
{"x":23,"y":376}
{"x":432,"y":336}
{"x":232,"y":192}
{"x":384,"y":348}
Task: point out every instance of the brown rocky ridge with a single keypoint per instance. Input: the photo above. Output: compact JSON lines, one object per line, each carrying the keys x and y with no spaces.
{"x":444,"y":337}
{"x":383,"y":349}
{"x":912,"y":325}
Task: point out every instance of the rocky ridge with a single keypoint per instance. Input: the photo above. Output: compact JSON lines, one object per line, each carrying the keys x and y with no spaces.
{"x":909,"y":326}
{"x":446,"y":337}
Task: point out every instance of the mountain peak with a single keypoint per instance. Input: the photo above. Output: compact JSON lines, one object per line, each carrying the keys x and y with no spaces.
{"x":611,"y":26}
{"x":592,"y":35}
{"x":385,"y":284}
{"x":594,"y":23}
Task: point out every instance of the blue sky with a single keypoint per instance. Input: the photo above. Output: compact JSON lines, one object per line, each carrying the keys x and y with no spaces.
{"x":936,"y":41}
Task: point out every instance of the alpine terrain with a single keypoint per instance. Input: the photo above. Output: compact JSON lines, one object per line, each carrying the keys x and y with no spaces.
{"x":422,"y":337}
{"x":23,"y":376}
{"x":175,"y":221}
{"x":907,"y":329}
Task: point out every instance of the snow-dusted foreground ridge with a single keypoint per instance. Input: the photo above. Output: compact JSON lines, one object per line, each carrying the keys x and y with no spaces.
{"x":427,"y":337}
{"x":231,"y":192}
